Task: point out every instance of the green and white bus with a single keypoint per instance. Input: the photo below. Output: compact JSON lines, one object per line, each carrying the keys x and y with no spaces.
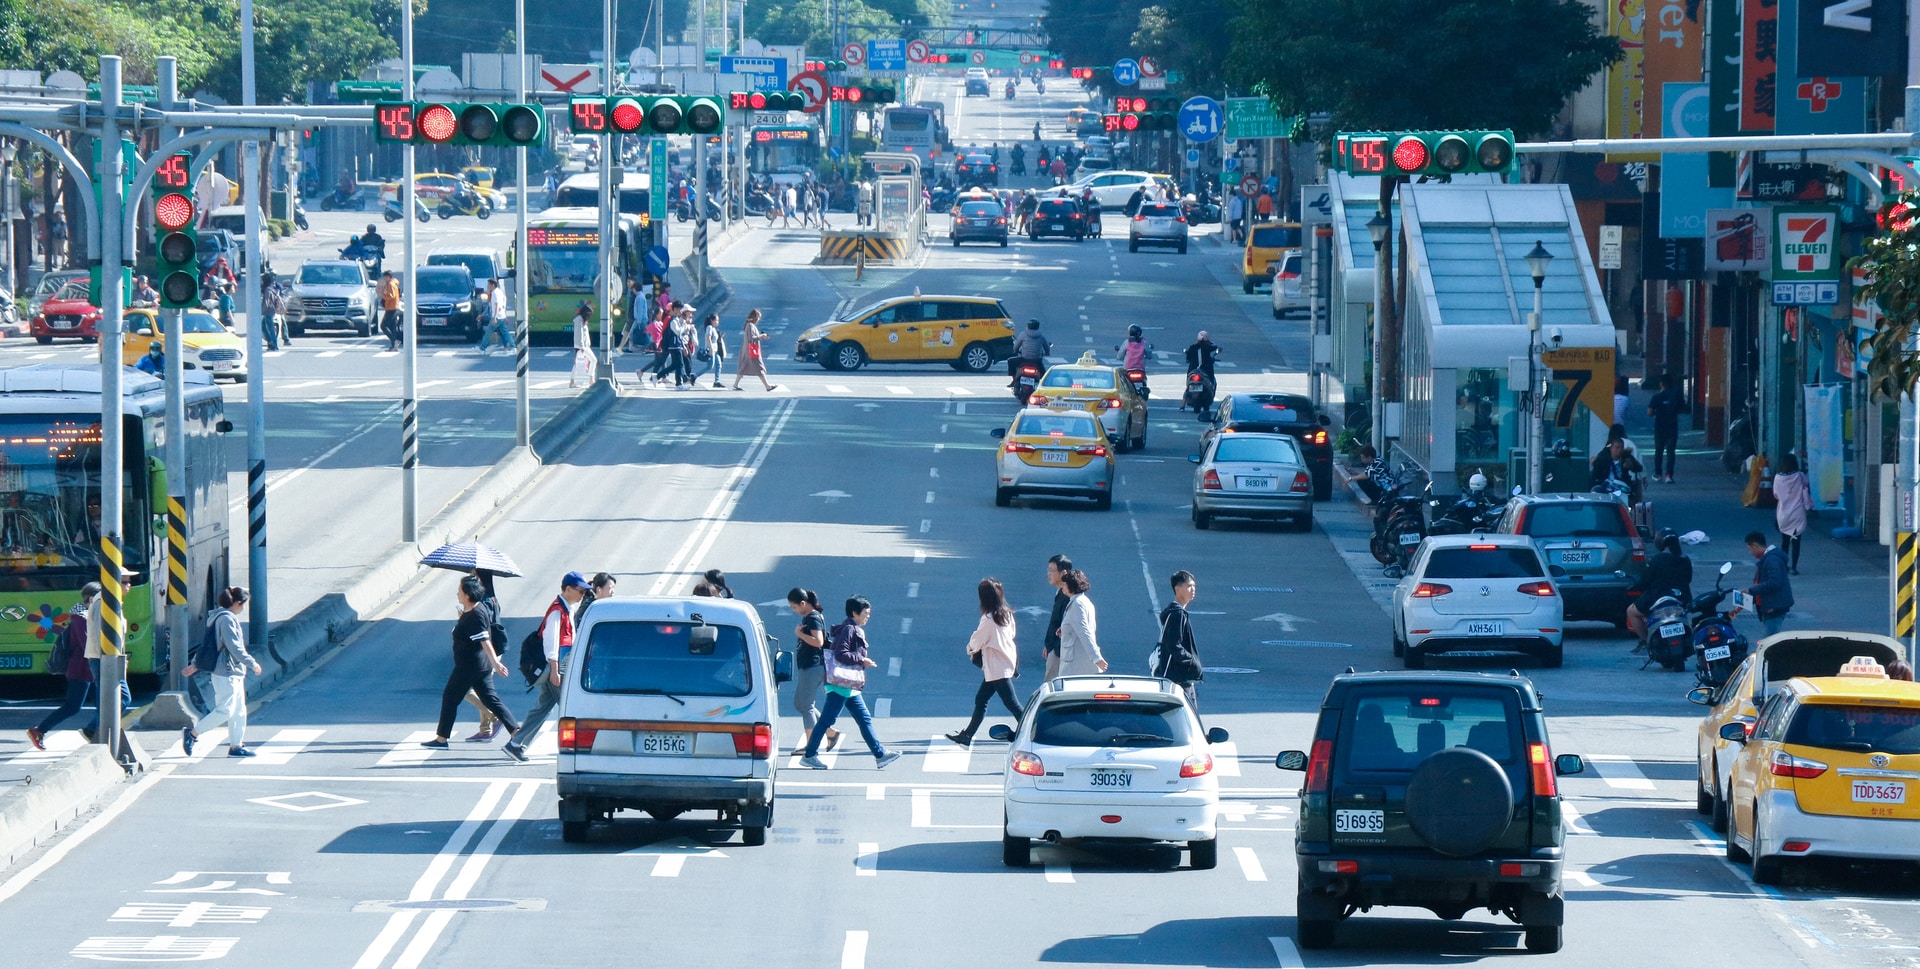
{"x":563,"y":246}
{"x":50,"y":506}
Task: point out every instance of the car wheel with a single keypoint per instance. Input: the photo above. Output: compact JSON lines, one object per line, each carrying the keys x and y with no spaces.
{"x":1702,"y":798}
{"x":1246,"y":287}
{"x":1139,"y":442}
{"x":753,"y":835}
{"x":1003,"y":497}
{"x":1015,"y":852}
{"x":43,"y":340}
{"x":1133,"y":245}
{"x":364,"y":328}
{"x":1736,"y":853}
{"x":239,"y":378}
{"x":1458,"y":800}
{"x":977,"y":358}
{"x":1201,"y":519}
{"x":1767,"y":871}
{"x":1399,"y":645}
{"x":1203,"y":855}
{"x":1103,"y":502}
{"x":1414,"y":659}
{"x":849,"y":356}
{"x":1314,"y":933}
{"x":298,"y":331}
{"x":1003,"y":243}
{"x":1543,"y":938}
{"x":1553,"y":658}
{"x":956,"y":243}
{"x":1183,"y":248}
{"x":1277,"y":314}
{"x":573,"y":832}
{"x":1717,"y":813}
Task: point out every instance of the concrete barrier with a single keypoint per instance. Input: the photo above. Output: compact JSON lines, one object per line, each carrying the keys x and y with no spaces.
{"x":50,"y":799}
{"x":845,"y":246}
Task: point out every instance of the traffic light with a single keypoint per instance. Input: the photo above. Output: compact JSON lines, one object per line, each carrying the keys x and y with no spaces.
{"x":177,"y":264}
{"x":1433,"y":153}
{"x":1082,"y":73}
{"x":639,"y":114}
{"x":826,"y":65}
{"x":449,"y":123}
{"x":1055,"y":65}
{"x":766,"y":101}
{"x":862,"y":95}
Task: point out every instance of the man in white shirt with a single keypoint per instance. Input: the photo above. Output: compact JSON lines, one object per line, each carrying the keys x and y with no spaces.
{"x":496,"y":320}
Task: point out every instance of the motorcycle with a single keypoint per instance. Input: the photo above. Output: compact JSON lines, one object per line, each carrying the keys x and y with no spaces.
{"x":1718,"y":648}
{"x":1199,"y":393}
{"x":1667,"y":640}
{"x":300,"y":217}
{"x":390,"y":208}
{"x":339,"y":199}
{"x":1399,"y":524}
{"x":464,"y":203}
{"x":368,"y":255}
{"x":1019,"y":166}
{"x":1025,"y":381}
{"x":1739,"y":446}
{"x":1137,"y":379}
{"x":758,"y":202}
{"x":1468,"y":513}
{"x":1009,"y":90}
{"x":1039,"y":86}
{"x":943,"y":198}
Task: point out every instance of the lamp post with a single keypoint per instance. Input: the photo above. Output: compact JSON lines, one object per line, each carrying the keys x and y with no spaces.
{"x":6,"y":215}
{"x":1537,"y":261}
{"x":1377,"y":228}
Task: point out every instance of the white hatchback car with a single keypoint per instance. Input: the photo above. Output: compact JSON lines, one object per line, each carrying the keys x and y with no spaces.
{"x":1115,"y":759}
{"x":1476,"y":594}
{"x":1289,"y":289}
{"x":1157,"y":224}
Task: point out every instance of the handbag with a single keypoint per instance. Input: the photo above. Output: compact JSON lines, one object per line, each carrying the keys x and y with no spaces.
{"x":979,"y":658}
{"x":846,"y":677}
{"x":753,"y":349}
{"x":703,"y":356}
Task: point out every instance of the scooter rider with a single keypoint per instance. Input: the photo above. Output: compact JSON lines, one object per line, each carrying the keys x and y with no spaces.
{"x":1028,"y":347}
{"x":1668,"y":573}
{"x":1136,"y":350}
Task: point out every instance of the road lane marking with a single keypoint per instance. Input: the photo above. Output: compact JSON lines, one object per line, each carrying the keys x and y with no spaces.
{"x":329,"y":353}
{"x":913,"y":588}
{"x":899,"y":391}
{"x":1250,"y":864}
{"x":876,"y":792}
{"x":275,"y":481}
{"x":362,"y":385}
{"x":556,"y":353}
{"x":1226,"y":759}
{"x":444,"y":353}
{"x":893,"y":666}
{"x":867,"y":860}
{"x":960,"y":392}
{"x":919,"y":556}
{"x":1284,"y":951}
{"x":300,"y":384}
{"x":929,"y":498}
{"x":926,"y":525}
{"x":853,"y":955}
{"x":883,"y":707}
{"x":668,"y":866}
{"x":1620,"y":772}
{"x":946,"y":757}
{"x":424,"y":384}
{"x":1058,"y":874}
{"x":922,"y":813}
{"x":283,"y":746}
{"x":59,"y":745}
{"x":397,"y":925}
{"x":437,"y":922}
{"x":484,"y":384}
{"x":1570,"y":816}
{"x":906,"y":625}
{"x":99,"y":822}
{"x":838,"y":389}
{"x":725,"y":499}
{"x":408,"y":752}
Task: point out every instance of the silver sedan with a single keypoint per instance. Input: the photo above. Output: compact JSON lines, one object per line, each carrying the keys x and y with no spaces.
{"x":1244,"y":475}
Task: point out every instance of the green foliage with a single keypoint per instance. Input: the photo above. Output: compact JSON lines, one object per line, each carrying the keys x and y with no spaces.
{"x":1891,"y":261}
{"x":1468,"y":63}
{"x":805,"y":22}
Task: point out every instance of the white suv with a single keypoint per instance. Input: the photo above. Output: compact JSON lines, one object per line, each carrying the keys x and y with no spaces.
{"x":1110,"y":759}
{"x":1157,"y":224}
{"x":1476,"y":593}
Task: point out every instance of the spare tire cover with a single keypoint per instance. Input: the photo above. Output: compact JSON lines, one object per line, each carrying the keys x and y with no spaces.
{"x":1459,"y":801}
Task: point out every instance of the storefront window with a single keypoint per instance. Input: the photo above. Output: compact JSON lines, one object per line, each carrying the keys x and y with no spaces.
{"x":1485,"y":426}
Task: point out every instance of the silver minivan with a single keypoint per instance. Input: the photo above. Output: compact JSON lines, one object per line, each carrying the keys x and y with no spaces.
{"x":669,"y":706}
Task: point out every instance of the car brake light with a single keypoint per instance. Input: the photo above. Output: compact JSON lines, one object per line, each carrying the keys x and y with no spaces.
{"x":1482,"y":548}
{"x":1139,"y":218}
{"x":1518,"y":869}
{"x":575,"y":737}
{"x":1784,"y":764}
{"x":1000,"y":222}
{"x":1340,"y":867}
{"x":1180,"y":218}
{"x":1098,"y":450}
{"x":1037,"y":399}
{"x":1639,"y":544}
{"x":1210,"y":481}
{"x":1301,"y":482}
{"x":759,"y":743}
{"x":1113,"y":696}
{"x":1014,"y":448}
{"x":1796,"y":846}
{"x":1542,"y":589}
{"x":1541,"y":760}
{"x":1317,"y":437}
{"x":1319,"y":766}
{"x":1026,"y":763}
{"x":1428,"y":590}
{"x":1114,"y":403}
{"x":1197,"y":765}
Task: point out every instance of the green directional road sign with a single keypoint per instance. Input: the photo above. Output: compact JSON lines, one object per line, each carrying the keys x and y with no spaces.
{"x":1255,"y":118}
{"x":367,"y":90}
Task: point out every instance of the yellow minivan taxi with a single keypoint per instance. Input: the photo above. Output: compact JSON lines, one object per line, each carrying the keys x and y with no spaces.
{"x":1832,"y":770}
{"x":1101,"y":390}
{"x":209,"y":346}
{"x":1266,"y":243}
{"x":970,"y":333}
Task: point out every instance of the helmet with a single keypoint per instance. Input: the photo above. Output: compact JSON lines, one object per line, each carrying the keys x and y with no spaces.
{"x":1478,"y":482}
{"x":1133,"y":332}
{"x":1033,"y":324}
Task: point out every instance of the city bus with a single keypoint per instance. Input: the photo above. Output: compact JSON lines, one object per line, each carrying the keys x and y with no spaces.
{"x":563,"y":260}
{"x":583,"y":192}
{"x":50,"y":506}
{"x":913,"y":129}
{"x":785,"y":152}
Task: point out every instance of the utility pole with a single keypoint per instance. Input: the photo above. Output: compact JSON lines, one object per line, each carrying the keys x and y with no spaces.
{"x":113,"y":619}
{"x":256,"y":360}
{"x":1907,"y":471}
{"x":409,"y":360}
{"x":178,"y":608}
{"x":700,"y":187}
{"x":522,"y":404}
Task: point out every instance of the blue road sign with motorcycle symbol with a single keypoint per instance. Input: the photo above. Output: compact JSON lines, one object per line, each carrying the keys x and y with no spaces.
{"x":1202,"y":119}
{"x":1126,"y":72}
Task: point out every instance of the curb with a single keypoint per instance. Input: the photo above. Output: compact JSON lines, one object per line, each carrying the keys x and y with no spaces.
{"x":47,"y":802}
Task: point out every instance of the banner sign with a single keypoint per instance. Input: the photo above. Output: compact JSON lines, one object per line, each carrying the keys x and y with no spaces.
{"x":1672,"y":53}
{"x":1626,"y":21}
{"x":1852,"y":37}
{"x":1804,"y":243}
{"x":1738,"y":240}
{"x":1826,"y":445}
{"x":1587,"y":373}
{"x":1759,"y":61}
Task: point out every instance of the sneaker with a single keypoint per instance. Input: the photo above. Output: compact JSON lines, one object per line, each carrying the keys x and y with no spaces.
{"x":239,"y":752}
{"x":485,"y":734}
{"x":833,"y":739}
{"x":961,"y":737}
{"x":34,"y":737}
{"x":813,"y":762}
{"x":436,"y":744}
{"x":883,"y":760}
{"x":515,"y":751}
{"x":187,"y":737}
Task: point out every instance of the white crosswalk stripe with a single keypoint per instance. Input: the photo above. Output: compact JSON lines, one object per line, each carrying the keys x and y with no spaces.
{"x":408,"y":752}
{"x":899,"y":391}
{"x":839,"y":389}
{"x":59,"y":744}
{"x":282,"y":747}
{"x":959,"y":391}
{"x":946,"y":757}
{"x":1226,"y":759}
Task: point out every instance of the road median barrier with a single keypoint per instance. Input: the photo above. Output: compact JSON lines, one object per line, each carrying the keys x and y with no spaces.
{"x":51,"y":799}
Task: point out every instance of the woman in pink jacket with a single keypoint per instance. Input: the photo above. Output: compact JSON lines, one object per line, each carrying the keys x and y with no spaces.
{"x":1793,"y":498}
{"x":991,"y":648}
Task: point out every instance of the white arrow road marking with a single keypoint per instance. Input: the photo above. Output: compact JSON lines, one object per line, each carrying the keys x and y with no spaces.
{"x":1285,"y":620}
{"x":854,"y":954}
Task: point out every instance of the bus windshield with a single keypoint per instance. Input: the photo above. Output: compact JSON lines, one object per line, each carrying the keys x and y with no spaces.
{"x":553,"y":270}
{"x":50,"y":501}
{"x":782,"y":150}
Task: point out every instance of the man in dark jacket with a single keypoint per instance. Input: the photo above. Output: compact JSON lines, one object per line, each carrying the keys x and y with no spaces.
{"x":1177,"y":658}
{"x":1057,"y":568}
{"x":1665,"y":409}
{"x":1771,"y":591}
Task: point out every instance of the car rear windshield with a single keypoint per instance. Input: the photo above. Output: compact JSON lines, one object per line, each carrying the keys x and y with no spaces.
{"x":1057,"y":425}
{"x":1581,"y":519}
{"x":1110,"y":723}
{"x":1484,"y":563}
{"x":1083,"y":379}
{"x":1884,"y":730}
{"x":332,"y":276}
{"x":1059,"y":205}
{"x":980,"y":210}
{"x":1270,"y":450}
{"x":1393,"y":730}
{"x":658,"y":657}
{"x":1276,"y":237}
{"x":1159,"y":211}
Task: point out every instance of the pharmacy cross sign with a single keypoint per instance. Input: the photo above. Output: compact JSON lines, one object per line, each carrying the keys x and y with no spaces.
{"x":1817,"y":91}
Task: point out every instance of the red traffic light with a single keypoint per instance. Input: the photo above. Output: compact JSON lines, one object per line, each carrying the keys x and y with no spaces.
{"x":757,"y":101}
{"x":173,"y":211}
{"x":1130,"y":122}
{"x":437,"y":123}
{"x":627,"y":115}
{"x":1410,"y":154}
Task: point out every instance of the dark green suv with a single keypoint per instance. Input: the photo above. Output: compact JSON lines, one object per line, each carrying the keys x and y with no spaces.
{"x":1434,"y":790}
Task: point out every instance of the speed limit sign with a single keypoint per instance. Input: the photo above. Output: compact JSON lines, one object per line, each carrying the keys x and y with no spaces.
{"x":1250,"y":186}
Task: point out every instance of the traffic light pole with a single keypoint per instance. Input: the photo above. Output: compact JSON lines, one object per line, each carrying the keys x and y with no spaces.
{"x":113,"y":626}
{"x":167,"y":89}
{"x":409,"y":361}
{"x":522,"y":405}
{"x":249,"y":301}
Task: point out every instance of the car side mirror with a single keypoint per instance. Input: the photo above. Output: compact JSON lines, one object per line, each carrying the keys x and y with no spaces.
{"x":782,"y":666}
{"x":1556,"y":571}
{"x":1702,"y":695}
{"x":1000,"y":732}
{"x":1726,"y":567}
{"x":1735,"y":731}
{"x":1193,"y":459}
{"x":997,"y":433}
{"x":143,"y":331}
{"x":1326,"y":421}
{"x":1291,"y":760}
{"x":1566,"y":764}
{"x":1217,"y":735}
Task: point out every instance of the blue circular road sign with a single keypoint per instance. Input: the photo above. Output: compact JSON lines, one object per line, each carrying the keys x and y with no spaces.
{"x":1126,"y":72}
{"x":657,"y":261}
{"x":1202,"y":119}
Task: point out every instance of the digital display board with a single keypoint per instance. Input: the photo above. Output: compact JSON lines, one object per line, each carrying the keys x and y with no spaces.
{"x":564,"y":238}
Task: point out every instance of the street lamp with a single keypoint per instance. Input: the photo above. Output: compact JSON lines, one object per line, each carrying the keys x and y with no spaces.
{"x":1537,"y":261}
{"x":7,"y":151}
{"x":1377,"y":228}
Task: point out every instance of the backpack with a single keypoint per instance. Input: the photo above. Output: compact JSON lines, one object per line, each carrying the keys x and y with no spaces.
{"x":62,"y":651}
{"x":207,"y":653}
{"x":533,"y":653}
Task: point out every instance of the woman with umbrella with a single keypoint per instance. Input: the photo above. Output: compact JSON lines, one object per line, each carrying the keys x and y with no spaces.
{"x":475,"y":664}
{"x":481,"y":563}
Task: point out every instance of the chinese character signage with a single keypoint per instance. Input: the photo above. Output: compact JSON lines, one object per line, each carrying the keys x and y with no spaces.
{"x":1626,"y":21}
{"x":1759,"y":61}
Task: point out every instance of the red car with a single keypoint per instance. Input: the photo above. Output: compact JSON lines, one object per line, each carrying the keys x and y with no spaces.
{"x":68,"y":314}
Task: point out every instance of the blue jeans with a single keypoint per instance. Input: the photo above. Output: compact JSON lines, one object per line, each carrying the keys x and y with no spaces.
{"x":831,"y":712}
{"x":1771,"y":624}
{"x":126,"y":697}
{"x":491,"y":328}
{"x":77,"y":693}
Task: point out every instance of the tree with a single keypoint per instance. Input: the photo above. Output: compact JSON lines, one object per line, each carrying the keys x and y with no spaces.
{"x":1093,"y":33}
{"x":805,"y":22}
{"x":1386,"y":64}
{"x":1188,"y":38}
{"x":1891,"y":262}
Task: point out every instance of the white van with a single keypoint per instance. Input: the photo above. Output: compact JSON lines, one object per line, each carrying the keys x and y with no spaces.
{"x":670,"y":705}
{"x":233,"y":218}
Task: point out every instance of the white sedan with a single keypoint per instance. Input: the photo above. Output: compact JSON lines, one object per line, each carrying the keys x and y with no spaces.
{"x":1110,"y":759}
{"x":1113,"y":189}
{"x":1476,"y":594}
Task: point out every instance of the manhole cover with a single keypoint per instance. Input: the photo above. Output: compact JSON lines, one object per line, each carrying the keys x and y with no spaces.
{"x":1305,"y":644}
{"x":1261,"y":588}
{"x":1227,"y":669}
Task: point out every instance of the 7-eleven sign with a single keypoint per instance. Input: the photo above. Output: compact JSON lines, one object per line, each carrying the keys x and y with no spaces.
{"x":1803,"y":243}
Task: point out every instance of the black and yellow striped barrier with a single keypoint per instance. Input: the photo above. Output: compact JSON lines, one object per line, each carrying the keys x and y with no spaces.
{"x":886,"y":247}
{"x":846,"y":247}
{"x":112,"y":617}
{"x":1904,"y":582}
{"x":176,"y":551}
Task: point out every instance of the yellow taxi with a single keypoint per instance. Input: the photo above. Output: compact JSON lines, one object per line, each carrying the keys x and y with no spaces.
{"x":1832,"y":770}
{"x":1775,"y":660}
{"x":1100,"y":389}
{"x":1057,"y":453}
{"x":209,"y":346}
{"x":1267,"y":242}
{"x":970,"y":333}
